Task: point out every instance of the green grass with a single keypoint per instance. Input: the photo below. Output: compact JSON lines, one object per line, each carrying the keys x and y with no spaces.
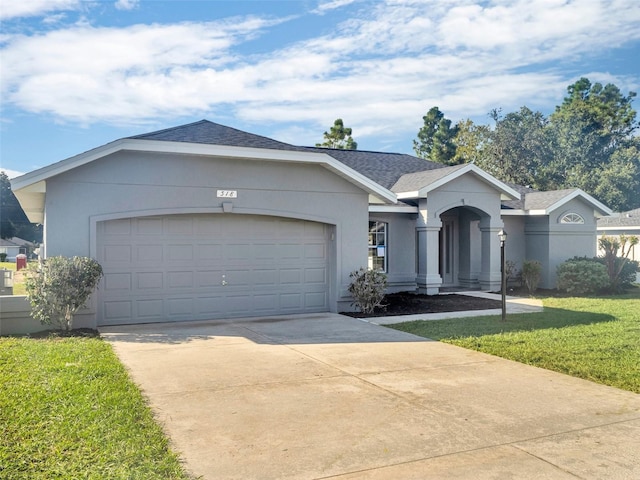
{"x":18,"y":287}
{"x":593,"y":338}
{"x":69,"y":410}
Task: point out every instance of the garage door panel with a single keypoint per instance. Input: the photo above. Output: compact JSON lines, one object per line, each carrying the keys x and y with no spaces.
{"x":117,"y":282}
{"x":153,"y":308}
{"x":315,"y":275}
{"x":150,"y":280}
{"x":208,"y":278}
{"x":117,"y":253}
{"x":206,"y":252}
{"x":148,"y":226}
{"x":172,"y":268}
{"x":149,"y":253}
{"x":180,"y":279}
{"x":117,"y":311}
{"x":118,"y":227}
{"x":182,"y":307}
{"x":315,"y":300}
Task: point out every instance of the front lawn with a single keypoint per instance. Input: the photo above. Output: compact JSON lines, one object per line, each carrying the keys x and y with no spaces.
{"x":69,"y":410}
{"x":593,"y":338}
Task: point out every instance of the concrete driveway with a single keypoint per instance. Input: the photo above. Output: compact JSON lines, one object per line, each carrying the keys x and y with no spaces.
{"x":329,"y":396}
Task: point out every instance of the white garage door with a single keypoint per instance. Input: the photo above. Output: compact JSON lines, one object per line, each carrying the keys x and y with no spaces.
{"x":198,"y":267}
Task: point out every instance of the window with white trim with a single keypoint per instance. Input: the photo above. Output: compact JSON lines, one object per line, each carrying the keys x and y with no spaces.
{"x":574,"y":218}
{"x":378,"y":246}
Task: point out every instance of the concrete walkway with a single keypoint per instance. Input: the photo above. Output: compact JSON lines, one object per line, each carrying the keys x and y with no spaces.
{"x":328,"y":396}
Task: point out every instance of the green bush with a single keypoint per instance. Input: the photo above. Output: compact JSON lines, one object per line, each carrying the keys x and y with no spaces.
{"x":582,"y":276}
{"x":626,"y":275}
{"x":59,"y":287}
{"x":3,"y":257}
{"x":367,"y":288}
{"x":531,"y":272}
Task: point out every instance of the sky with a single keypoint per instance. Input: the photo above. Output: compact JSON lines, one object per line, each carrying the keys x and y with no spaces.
{"x":77,"y":74}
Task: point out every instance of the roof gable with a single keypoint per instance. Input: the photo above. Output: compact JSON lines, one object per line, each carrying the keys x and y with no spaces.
{"x":543,"y":203}
{"x":418,"y":185}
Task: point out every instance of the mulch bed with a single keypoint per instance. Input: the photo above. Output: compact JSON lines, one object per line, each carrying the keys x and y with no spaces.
{"x":407,"y":303}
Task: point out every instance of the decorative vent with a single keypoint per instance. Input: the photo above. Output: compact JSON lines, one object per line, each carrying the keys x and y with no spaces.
{"x":572,"y":218}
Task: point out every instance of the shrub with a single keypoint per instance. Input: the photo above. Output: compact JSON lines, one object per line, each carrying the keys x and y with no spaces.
{"x":620,"y":275}
{"x":582,"y":276}
{"x":59,"y":287}
{"x":531,"y":272}
{"x":367,"y":288}
{"x":3,"y":257}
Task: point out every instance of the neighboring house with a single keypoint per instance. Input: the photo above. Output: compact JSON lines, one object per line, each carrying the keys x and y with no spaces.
{"x":205,"y":221}
{"x":625,"y":223}
{"x":14,"y":246}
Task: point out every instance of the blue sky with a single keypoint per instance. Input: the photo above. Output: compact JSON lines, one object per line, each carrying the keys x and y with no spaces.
{"x":77,"y":74}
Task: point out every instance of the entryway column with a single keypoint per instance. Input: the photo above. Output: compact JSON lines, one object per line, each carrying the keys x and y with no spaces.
{"x":428,"y":279}
{"x":490,"y":276}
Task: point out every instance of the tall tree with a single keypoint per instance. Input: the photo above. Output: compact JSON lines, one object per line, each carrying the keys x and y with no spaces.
{"x":435,"y":140}
{"x":471,"y":141}
{"x":518,"y":148}
{"x":339,"y":137}
{"x":592,"y":135}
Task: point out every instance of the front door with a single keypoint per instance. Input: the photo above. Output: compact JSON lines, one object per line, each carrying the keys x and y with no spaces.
{"x":448,"y":260}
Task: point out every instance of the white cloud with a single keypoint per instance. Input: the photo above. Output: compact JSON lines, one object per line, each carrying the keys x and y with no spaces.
{"x":324,"y":7}
{"x":127,"y":4}
{"x":34,"y":8}
{"x":380,"y":71}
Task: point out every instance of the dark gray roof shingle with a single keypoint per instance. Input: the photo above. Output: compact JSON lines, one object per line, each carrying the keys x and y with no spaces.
{"x":411,"y":182}
{"x":211,"y":133}
{"x":383,"y":168}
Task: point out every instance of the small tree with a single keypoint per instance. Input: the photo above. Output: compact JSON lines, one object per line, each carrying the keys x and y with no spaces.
{"x":615,"y":264}
{"x":367,"y":288}
{"x":339,"y":137}
{"x":59,"y":287}
{"x":531,"y":272}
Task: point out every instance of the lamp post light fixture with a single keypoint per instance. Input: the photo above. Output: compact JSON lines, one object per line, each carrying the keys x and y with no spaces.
{"x":502,"y":235}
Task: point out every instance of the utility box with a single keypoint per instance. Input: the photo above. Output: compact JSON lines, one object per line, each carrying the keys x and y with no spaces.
{"x":6,"y":282}
{"x":21,"y":261}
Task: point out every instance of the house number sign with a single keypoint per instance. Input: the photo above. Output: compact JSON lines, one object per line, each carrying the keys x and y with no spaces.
{"x":227,"y":194}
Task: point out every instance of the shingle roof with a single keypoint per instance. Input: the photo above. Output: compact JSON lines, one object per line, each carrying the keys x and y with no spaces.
{"x":518,"y":204}
{"x":630,"y":218}
{"x":411,"y":182}
{"x":543,"y":200}
{"x":383,"y":168}
{"x":212,"y":133}
{"x":394,"y":171}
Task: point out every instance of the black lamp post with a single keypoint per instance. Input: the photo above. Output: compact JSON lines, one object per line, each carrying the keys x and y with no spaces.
{"x":502,"y":235}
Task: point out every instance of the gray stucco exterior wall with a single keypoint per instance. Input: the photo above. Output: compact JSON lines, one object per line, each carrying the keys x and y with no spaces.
{"x":552,"y":242}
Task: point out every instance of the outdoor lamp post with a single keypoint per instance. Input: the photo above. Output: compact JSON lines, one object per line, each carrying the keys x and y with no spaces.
{"x":502,"y":235}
